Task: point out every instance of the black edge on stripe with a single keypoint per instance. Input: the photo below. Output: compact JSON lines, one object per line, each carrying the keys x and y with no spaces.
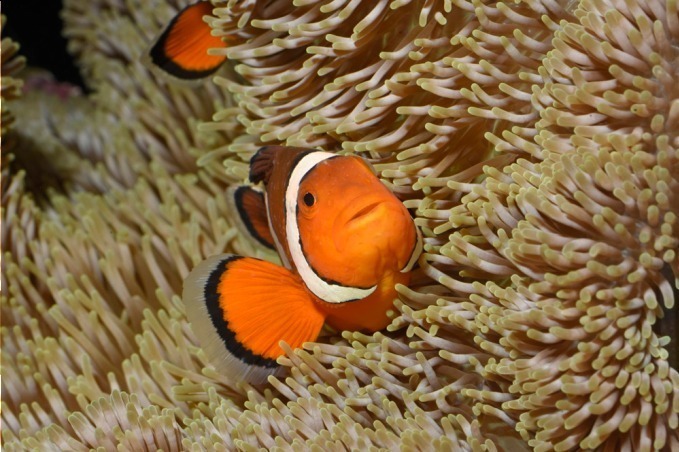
{"x":412,"y":252}
{"x":220,"y":323}
{"x":238,"y":195}
{"x":295,"y":162}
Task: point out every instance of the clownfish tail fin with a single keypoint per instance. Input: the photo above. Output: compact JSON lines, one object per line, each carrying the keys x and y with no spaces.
{"x":240,"y":308}
{"x":181,"y":51}
{"x":252,"y":218}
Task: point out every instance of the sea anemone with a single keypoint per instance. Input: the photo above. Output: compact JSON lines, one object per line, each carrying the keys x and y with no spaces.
{"x":11,"y":63}
{"x":536,"y":141}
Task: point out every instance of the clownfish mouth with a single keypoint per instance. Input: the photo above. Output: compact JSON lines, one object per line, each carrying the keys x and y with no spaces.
{"x":364,"y":211}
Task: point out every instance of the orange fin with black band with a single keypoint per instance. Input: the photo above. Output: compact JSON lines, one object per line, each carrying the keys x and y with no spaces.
{"x":240,"y":308}
{"x":181,"y":51}
{"x":252,"y":215}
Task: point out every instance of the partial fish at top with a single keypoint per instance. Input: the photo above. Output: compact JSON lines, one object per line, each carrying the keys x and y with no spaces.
{"x":182,"y":49}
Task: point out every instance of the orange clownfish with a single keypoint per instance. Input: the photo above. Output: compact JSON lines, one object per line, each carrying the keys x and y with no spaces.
{"x":181,"y":51}
{"x":344,"y":239}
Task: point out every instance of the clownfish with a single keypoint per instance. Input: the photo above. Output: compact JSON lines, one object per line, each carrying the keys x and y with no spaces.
{"x":344,"y":241}
{"x":181,"y":50}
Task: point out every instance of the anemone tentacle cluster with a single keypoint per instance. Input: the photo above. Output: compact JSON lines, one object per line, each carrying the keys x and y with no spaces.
{"x":536,"y":141}
{"x":12,"y":63}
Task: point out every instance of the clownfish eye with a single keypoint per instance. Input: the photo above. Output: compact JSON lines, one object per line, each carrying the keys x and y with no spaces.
{"x":309,"y":199}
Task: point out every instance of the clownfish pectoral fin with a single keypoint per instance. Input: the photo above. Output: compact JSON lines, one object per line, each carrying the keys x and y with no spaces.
{"x":181,"y":51}
{"x":252,"y":218}
{"x":240,"y":308}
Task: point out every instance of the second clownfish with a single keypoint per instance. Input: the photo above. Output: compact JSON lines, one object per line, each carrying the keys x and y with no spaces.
{"x":182,"y":49}
{"x":344,"y":239}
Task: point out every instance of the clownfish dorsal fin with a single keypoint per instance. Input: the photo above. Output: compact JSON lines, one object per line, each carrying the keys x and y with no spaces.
{"x":279,"y":159}
{"x":261,"y":164}
{"x":181,"y":51}
{"x":240,"y":308}
{"x":252,"y":218}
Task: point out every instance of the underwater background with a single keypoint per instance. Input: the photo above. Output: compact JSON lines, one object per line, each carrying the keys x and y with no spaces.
{"x":537,"y":142}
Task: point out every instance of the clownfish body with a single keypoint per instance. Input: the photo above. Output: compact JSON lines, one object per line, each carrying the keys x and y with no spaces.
{"x":181,"y":50}
{"x":344,"y":240}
